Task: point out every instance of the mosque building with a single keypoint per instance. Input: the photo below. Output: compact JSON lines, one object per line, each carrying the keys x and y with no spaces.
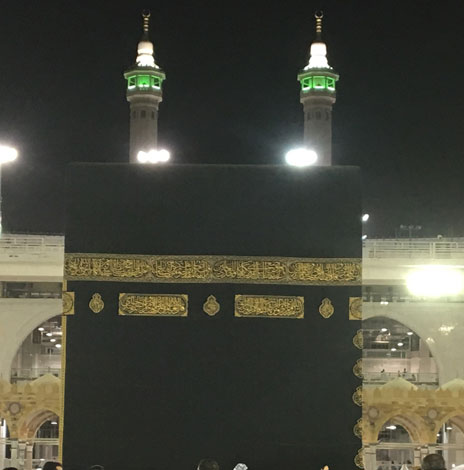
{"x":412,"y":341}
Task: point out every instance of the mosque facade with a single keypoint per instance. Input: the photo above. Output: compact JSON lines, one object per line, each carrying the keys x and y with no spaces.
{"x":412,"y":342}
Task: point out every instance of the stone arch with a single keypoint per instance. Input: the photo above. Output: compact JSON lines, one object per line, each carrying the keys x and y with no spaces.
{"x":372,"y":322}
{"x":30,"y":424}
{"x":52,"y":363}
{"x":457,"y":416}
{"x":426,"y":319}
{"x":412,"y":422}
{"x":26,"y":315}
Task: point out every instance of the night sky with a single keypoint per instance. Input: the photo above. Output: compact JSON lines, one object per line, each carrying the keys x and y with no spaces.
{"x":231,"y":96}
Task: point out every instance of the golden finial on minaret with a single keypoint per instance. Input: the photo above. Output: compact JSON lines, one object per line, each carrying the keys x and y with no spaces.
{"x":146,"y":21}
{"x":318,"y":15}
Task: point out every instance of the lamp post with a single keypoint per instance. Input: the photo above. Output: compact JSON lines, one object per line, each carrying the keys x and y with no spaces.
{"x":7,"y":154}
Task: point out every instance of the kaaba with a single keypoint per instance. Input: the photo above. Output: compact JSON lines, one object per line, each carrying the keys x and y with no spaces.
{"x":212,"y":312}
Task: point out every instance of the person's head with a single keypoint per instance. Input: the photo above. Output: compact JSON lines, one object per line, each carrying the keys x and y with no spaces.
{"x":208,"y":464}
{"x":433,"y":462}
{"x":10,"y":468}
{"x":52,"y":466}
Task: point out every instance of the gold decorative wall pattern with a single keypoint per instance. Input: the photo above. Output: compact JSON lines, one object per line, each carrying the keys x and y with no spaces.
{"x":96,"y":303}
{"x":165,"y":305}
{"x":355,"y":308}
{"x":211,"y":306}
{"x":21,"y":403}
{"x":358,"y":396}
{"x":203,"y":269}
{"x":358,"y":339}
{"x":326,"y":308}
{"x":359,"y":459}
{"x":269,"y":306}
{"x":357,"y":369}
{"x":402,"y":403}
{"x":358,"y":428}
{"x":68,"y":302}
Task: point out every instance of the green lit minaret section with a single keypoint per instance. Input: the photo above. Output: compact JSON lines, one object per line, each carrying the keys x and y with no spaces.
{"x":317,"y":95}
{"x":144,"y":94}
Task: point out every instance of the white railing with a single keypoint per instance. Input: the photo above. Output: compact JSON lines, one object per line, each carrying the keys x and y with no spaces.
{"x":445,"y":248}
{"x":429,"y":378}
{"x":33,"y":373}
{"x":36,"y":245}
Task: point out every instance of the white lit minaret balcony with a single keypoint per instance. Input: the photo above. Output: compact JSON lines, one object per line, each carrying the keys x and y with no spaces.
{"x":317,"y":95}
{"x":144,"y":93}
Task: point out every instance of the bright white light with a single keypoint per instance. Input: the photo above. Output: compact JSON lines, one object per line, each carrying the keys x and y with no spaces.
{"x":364,"y":237}
{"x":301,"y":157}
{"x":145,"y":54}
{"x":409,"y":333}
{"x":41,"y":328}
{"x":393,"y":349}
{"x":449,"y":428}
{"x":318,"y":56}
{"x":435,"y":281}
{"x":384,"y":302}
{"x":7,"y":154}
{"x":392,"y":427}
{"x":54,"y":423}
{"x":400,"y":344}
{"x":58,"y":345}
{"x":53,"y":340}
{"x":365,"y":217}
{"x":49,"y":334}
{"x":384,"y":330}
{"x":153,"y":156}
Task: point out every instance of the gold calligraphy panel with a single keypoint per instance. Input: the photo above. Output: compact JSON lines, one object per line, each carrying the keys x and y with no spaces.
{"x":221,"y":269}
{"x":269,"y":306}
{"x":68,"y":302}
{"x":164,"y":305}
{"x":355,"y":308}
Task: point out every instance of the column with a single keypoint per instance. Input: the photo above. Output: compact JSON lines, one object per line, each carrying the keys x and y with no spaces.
{"x":21,"y":454}
{"x":14,"y":453}
{"x":28,"y":460}
{"x":370,"y":457}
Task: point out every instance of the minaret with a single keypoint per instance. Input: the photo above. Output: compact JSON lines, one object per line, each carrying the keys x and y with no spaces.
{"x":144,"y":81}
{"x":318,"y":96}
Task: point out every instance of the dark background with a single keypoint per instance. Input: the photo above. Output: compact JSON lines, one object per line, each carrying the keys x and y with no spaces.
{"x":162,"y":393}
{"x":231,"y":95}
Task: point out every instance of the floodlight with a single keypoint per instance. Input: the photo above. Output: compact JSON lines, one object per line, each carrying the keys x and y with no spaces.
{"x":153,"y":156}
{"x":301,"y":157}
{"x":7,"y":154}
{"x":435,"y":281}
{"x":365,"y":217}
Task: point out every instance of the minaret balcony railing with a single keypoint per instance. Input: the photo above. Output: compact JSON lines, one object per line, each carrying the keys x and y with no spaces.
{"x":144,"y":82}
{"x":316,"y":82}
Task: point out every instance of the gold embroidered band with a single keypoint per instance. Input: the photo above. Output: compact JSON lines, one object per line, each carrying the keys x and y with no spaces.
{"x":165,"y":305}
{"x":269,"y":306}
{"x":220,"y":269}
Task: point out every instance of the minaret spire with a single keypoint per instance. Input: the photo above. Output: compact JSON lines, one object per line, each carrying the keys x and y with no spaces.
{"x":146,"y":22}
{"x":144,"y":81}
{"x":317,"y":97}
{"x":319,"y":15}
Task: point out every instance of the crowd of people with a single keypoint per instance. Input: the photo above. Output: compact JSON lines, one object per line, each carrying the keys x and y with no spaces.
{"x":430,"y":462}
{"x":47,"y":466}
